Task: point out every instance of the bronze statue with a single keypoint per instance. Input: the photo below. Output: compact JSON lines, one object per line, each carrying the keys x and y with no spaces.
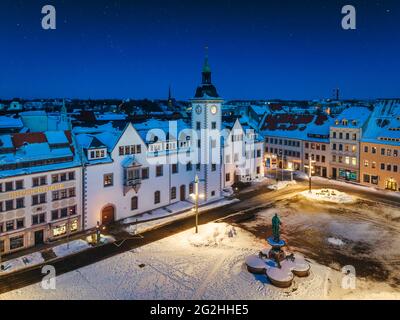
{"x":275,"y":227}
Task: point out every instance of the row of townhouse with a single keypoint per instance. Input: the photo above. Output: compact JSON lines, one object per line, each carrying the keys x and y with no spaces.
{"x":359,"y":145}
{"x":57,"y":183}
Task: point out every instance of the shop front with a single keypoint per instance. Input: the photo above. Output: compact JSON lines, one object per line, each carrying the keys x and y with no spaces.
{"x":347,"y":174}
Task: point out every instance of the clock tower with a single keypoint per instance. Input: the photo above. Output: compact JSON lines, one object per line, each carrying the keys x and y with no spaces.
{"x":206,"y":122}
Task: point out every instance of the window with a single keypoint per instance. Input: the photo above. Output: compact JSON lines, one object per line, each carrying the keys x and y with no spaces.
{"x":340,"y":135}
{"x":54,"y":215}
{"x":20,"y":223}
{"x":38,"y":218}
{"x":145,"y":173}
{"x":134,"y":203}
{"x":382,"y":166}
{"x":191,"y":188}
{"x":227,"y":159}
{"x":72,"y":210}
{"x":71,"y":175}
{"x":353,"y":148}
{"x":54,"y":178}
{"x":347,"y":136}
{"x":213,"y":125}
{"x":189,"y":166}
{"x":374,"y":179}
{"x":174,"y":168}
{"x":334,"y":135}
{"x":173,"y":193}
{"x":212,"y":193}
{"x":323,"y":159}
{"x":157,"y":197}
{"x":323,"y":147}
{"x":227,"y":177}
{"x":366,"y":149}
{"x":354,"y":136}
{"x":258,"y":153}
{"x":373,"y":164}
{"x":213,"y":167}
{"x":334,"y":146}
{"x":340,"y":147}
{"x":1,"y":243}
{"x":389,"y":152}
{"x":354,"y":161}
{"x":333,"y":158}
{"x":258,"y":170}
{"x":198,"y":125}
{"x":366,"y":163}
{"x":108,"y":180}
{"x":159,"y":171}
{"x":389,"y":167}
{"x":10,"y":225}
{"x":306,"y":156}
{"x":9,"y":186}
{"x":347,"y":160}
{"x":395,"y":168}
{"x":38,"y":199}
{"x":63,"y":177}
{"x":395,"y":153}
{"x":373,"y":149}
{"x":366,"y":178}
{"x":39,"y":181}
{"x":198,"y":166}
{"x":19,"y":184}
{"x":20,"y":203}
{"x":307,"y":145}
{"x":16,"y":242}
{"x":382,"y":151}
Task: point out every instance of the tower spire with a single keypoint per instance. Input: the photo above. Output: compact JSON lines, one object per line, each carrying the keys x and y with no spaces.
{"x":206,"y":73}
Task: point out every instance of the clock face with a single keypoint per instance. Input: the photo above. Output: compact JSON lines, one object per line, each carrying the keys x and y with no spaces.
{"x":198,"y":109}
{"x":214,"y":109}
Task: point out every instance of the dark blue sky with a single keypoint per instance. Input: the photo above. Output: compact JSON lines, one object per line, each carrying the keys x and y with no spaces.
{"x":258,"y":49}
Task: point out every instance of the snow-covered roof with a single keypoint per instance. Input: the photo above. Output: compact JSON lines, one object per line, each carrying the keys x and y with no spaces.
{"x":56,"y":137}
{"x":301,"y":127}
{"x":25,"y":153}
{"x":9,"y":122}
{"x":353,"y":117}
{"x":384,"y":124}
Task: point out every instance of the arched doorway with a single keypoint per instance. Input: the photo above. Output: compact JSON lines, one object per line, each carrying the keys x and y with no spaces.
{"x":183,"y":192}
{"x":107,"y":215}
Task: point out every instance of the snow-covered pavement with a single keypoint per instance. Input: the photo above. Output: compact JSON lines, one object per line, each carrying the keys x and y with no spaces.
{"x":188,"y":266}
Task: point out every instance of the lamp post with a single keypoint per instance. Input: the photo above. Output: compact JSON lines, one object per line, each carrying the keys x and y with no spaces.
{"x":310,"y":168}
{"x":196,"y":205}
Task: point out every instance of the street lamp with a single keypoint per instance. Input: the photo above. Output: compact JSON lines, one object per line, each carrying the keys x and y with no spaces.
{"x":310,"y":169}
{"x":196,"y":196}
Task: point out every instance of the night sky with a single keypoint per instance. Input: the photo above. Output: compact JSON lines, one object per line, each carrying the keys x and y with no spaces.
{"x":257,"y":49}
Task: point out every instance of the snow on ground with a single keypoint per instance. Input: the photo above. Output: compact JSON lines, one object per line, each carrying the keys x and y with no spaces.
{"x":281,"y":184}
{"x":22,"y":262}
{"x":176,"y":267}
{"x":369,"y":230}
{"x":328,"y":195}
{"x":145,"y":226}
{"x":70,"y":248}
{"x":335,"y":241}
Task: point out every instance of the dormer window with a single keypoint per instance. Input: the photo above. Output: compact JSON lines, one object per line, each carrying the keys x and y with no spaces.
{"x":354,"y":122}
{"x":344,"y":122}
{"x":94,"y":154}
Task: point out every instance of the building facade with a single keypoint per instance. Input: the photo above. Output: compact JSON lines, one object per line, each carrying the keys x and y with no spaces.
{"x":345,"y":137}
{"x":40,"y":189}
{"x":380,"y":148}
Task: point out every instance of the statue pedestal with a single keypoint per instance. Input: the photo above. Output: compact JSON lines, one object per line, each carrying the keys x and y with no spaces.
{"x":276,"y":253}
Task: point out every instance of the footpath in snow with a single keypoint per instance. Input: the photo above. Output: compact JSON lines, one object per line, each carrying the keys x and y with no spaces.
{"x":169,"y":214}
